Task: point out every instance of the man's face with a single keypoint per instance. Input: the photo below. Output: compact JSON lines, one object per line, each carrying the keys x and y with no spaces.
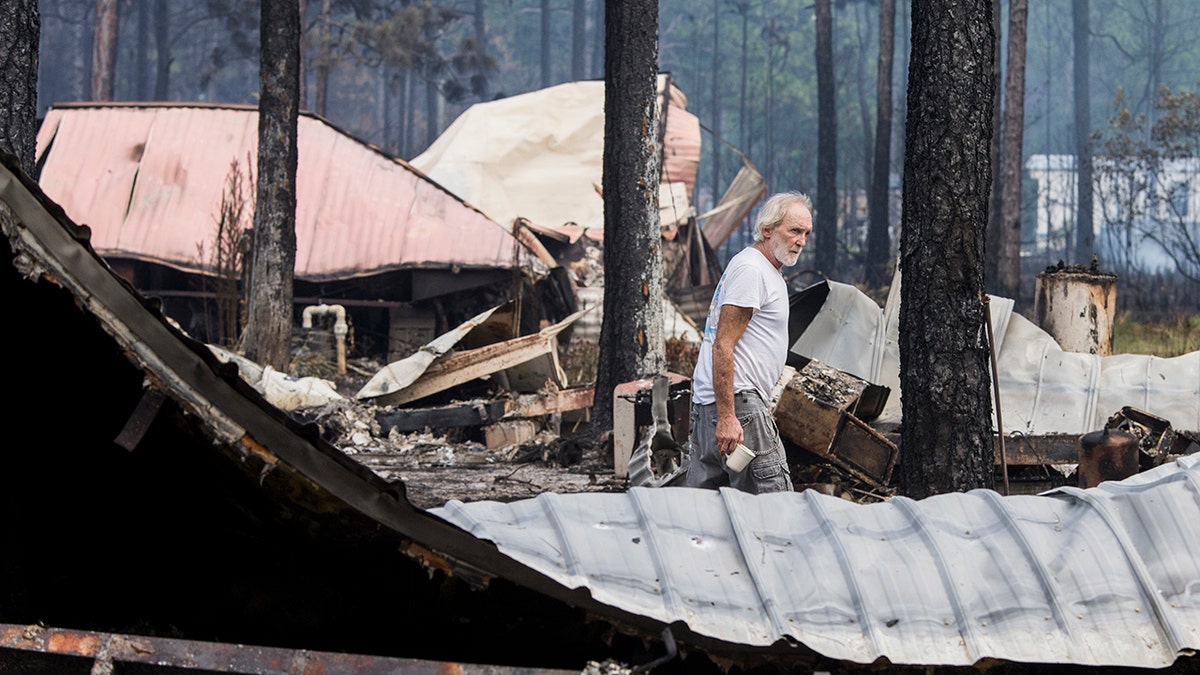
{"x":787,"y":240}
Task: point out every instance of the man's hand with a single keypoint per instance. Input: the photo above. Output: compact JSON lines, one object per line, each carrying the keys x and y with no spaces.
{"x":729,"y":433}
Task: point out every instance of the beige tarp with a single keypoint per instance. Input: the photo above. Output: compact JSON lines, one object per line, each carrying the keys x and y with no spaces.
{"x":540,"y":155}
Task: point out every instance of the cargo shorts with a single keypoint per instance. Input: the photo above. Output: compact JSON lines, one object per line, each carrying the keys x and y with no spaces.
{"x":768,"y":471}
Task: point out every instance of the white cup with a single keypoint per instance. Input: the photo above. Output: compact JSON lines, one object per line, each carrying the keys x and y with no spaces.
{"x":739,"y":458}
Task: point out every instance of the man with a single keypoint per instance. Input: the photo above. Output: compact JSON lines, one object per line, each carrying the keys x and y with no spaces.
{"x":743,"y":353}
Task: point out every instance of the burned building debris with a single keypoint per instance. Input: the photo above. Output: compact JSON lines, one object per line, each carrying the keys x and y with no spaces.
{"x":179,"y":504}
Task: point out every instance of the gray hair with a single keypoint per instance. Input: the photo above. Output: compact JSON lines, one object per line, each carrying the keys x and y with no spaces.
{"x":775,"y":209}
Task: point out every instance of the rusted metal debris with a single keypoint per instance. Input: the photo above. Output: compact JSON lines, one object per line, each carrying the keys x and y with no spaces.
{"x":816,"y":411}
{"x":61,"y":649}
{"x":1155,"y":437}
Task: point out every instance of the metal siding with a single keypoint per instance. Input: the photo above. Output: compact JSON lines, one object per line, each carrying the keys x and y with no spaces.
{"x":1105,"y":576}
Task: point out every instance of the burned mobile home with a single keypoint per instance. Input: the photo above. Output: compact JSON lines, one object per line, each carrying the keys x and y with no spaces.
{"x":405,"y":251}
{"x":176,"y":504}
{"x":167,"y":191}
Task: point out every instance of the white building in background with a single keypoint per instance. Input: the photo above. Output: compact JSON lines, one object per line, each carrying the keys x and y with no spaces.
{"x":1126,"y":205}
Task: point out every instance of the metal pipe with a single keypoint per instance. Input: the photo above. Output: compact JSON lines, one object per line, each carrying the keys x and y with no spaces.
{"x":340,"y":328}
{"x":987,"y":319}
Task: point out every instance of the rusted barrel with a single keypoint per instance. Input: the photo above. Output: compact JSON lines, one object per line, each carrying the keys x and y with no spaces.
{"x":1108,"y":454}
{"x":1077,"y":306}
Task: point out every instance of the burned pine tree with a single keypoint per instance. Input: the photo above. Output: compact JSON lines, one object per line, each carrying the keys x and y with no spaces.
{"x":19,"y":34}
{"x":946,"y":441}
{"x":269,"y":325}
{"x":631,"y":335}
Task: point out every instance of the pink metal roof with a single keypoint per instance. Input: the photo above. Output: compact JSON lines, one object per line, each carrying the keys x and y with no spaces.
{"x":148,"y":179}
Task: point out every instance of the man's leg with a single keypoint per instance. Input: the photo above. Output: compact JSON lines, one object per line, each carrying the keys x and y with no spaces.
{"x":768,"y":471}
{"x":706,"y":466}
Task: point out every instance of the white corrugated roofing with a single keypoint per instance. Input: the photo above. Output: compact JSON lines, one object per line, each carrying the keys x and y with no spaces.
{"x":1043,"y":389}
{"x":1104,"y":576}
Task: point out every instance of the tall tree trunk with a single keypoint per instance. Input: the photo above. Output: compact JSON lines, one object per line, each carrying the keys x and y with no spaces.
{"x":1155,"y":58}
{"x":269,"y":324}
{"x":944,"y":359}
{"x":545,"y":45}
{"x":1012,"y":152}
{"x":578,"y":39}
{"x":480,"y":24}
{"x":991,"y":250}
{"x":104,"y":54}
{"x":825,"y":257}
{"x":1085,"y":238}
{"x":406,"y":114}
{"x":862,"y":27}
{"x":142,"y":54}
{"x":162,"y":51}
{"x":598,"y":38}
{"x":20,"y":32}
{"x":302,"y":92}
{"x":769,"y":107}
{"x":716,"y":102}
{"x":631,"y":332}
{"x":432,"y":123}
{"x":743,"y":141}
{"x":324,"y":60}
{"x":879,"y":242}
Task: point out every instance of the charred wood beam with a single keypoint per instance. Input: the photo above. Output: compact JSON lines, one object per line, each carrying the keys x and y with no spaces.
{"x":157,"y":654}
{"x":471,"y":414}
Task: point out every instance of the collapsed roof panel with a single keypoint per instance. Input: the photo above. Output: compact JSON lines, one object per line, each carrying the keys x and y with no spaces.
{"x":148,"y":179}
{"x":951,"y":580}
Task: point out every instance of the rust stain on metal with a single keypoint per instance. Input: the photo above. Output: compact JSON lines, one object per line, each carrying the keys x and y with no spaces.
{"x":116,"y":652}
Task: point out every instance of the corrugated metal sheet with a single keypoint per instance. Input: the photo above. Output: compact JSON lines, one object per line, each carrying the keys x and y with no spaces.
{"x":1105,"y":576}
{"x":1043,"y":389}
{"x":540,"y":155}
{"x":149,"y":179}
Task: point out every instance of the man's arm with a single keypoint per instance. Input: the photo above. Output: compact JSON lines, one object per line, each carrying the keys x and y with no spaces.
{"x":730,"y":328}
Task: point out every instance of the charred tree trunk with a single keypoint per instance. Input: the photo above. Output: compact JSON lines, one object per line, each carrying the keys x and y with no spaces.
{"x":825,"y":256}
{"x":269,"y":324}
{"x":946,"y":439}
{"x":716,"y":99}
{"x":1012,"y":154}
{"x":631,"y":333}
{"x":991,"y":250}
{"x":142,"y":53}
{"x":1085,"y":238}
{"x":598,"y":38}
{"x":324,"y":59}
{"x":431,"y":112}
{"x":104,"y":55}
{"x":879,"y":241}
{"x":545,"y":15}
{"x":162,"y":51}
{"x":20,"y":32}
{"x":578,"y":39}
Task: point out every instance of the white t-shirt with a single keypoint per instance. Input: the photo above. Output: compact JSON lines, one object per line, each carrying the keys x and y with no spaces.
{"x":750,"y":280}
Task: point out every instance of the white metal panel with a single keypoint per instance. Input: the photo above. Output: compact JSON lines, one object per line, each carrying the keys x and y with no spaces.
{"x":1043,"y":389}
{"x":1106,"y":576}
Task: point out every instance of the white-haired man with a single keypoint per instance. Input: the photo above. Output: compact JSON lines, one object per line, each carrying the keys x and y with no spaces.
{"x":743,"y":353}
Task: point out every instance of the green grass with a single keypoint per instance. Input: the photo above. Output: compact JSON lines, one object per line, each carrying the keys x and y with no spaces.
{"x":1170,"y":337}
